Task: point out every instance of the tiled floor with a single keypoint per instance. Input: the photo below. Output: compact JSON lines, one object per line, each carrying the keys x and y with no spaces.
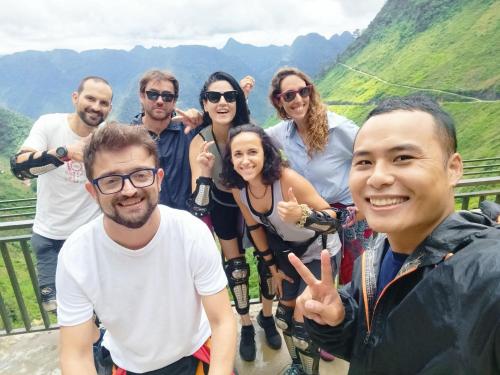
{"x":274,"y":362}
{"x":36,"y":354}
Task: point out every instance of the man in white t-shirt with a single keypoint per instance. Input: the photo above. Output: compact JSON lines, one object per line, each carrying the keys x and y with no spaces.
{"x":150,"y":272}
{"x":53,"y":154}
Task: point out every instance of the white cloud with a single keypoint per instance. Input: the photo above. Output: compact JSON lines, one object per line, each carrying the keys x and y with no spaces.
{"x":82,"y":25}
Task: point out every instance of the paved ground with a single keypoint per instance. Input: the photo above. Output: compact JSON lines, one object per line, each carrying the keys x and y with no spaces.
{"x":36,"y":354}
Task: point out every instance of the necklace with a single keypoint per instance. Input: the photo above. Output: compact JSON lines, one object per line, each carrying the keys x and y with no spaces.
{"x":256,"y":197}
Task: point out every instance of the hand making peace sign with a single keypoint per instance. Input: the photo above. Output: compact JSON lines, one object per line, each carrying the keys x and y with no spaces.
{"x":206,"y":159}
{"x":320,"y":301}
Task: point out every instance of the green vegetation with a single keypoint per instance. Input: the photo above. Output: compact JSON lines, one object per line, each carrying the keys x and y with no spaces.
{"x":27,"y":290}
{"x":448,"y":45}
{"x":14,"y":128}
{"x":458,"y":52}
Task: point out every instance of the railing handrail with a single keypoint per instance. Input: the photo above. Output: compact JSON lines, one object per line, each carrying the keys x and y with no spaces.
{"x":479,"y":181}
{"x":18,"y":200}
{"x":20,"y":224}
{"x":481,"y":159}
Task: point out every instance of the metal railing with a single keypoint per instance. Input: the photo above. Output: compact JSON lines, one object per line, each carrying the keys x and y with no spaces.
{"x":483,"y":167}
{"x":17,"y":208}
{"x":20,"y":304}
{"x":19,"y":268}
{"x":465,"y":198}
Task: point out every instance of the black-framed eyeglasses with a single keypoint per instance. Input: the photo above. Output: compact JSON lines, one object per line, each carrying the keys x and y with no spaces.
{"x":166,"y":96}
{"x":114,"y":183}
{"x":214,"y":96}
{"x":289,"y":95}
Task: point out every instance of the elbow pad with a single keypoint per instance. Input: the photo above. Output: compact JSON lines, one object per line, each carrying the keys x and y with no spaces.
{"x":32,"y":168}
{"x":321,"y":222}
{"x":200,"y":202}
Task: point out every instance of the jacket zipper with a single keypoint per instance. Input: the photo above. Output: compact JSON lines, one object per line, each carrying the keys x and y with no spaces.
{"x":369,"y":319}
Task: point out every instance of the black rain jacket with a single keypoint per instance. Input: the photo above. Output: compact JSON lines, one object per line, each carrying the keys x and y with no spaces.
{"x":436,"y":317}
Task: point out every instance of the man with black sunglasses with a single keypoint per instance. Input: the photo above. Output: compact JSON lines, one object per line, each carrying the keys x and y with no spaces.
{"x":52,"y":153}
{"x":170,"y":127}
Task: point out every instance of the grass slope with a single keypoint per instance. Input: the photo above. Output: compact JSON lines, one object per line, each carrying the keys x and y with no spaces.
{"x":444,"y":45}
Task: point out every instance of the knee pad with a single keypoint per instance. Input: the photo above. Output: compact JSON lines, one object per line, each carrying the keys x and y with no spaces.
{"x":284,"y":320}
{"x":307,"y":350}
{"x":265,"y":279}
{"x":238,"y":273}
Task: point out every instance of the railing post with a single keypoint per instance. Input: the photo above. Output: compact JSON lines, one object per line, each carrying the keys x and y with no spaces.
{"x":7,"y":323}
{"x":34,"y":282}
{"x":465,"y":203}
{"x":15,"y":286}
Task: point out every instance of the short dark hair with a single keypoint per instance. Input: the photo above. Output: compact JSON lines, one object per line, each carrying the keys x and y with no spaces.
{"x":81,"y":86}
{"x":241,"y":116}
{"x":445,"y":125}
{"x":158,"y":75}
{"x":113,"y":137}
{"x":273,"y":162}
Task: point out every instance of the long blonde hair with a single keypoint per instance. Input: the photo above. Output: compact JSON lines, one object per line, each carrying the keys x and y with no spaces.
{"x":316,"y":118}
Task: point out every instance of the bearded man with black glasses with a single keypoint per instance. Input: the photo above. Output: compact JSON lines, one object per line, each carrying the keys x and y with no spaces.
{"x":150,"y":272}
{"x":170,"y":127}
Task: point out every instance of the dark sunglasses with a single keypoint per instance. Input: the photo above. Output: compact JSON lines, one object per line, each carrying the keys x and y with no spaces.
{"x":214,"y":96}
{"x":166,"y":96}
{"x":289,"y":95}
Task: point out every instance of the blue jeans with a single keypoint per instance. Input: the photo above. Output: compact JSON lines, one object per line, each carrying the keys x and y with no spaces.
{"x":46,"y":251}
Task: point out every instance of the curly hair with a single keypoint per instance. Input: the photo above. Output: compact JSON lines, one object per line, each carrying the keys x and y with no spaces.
{"x":273,"y":162}
{"x":316,"y":117}
{"x":241,"y":116}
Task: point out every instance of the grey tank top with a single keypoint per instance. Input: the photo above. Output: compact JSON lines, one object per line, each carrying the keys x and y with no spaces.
{"x":287,"y":231}
{"x":217,"y":150}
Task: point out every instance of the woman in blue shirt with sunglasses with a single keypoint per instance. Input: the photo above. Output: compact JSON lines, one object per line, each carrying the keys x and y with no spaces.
{"x":224,"y":106}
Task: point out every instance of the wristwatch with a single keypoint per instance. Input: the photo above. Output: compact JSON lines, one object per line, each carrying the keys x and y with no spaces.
{"x":62,"y":153}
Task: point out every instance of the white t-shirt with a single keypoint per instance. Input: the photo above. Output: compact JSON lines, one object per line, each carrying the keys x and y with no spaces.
{"x":62,"y":204}
{"x":149,"y":299}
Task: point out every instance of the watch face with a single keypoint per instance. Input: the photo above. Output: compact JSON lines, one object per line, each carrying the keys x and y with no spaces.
{"x":62,"y":152}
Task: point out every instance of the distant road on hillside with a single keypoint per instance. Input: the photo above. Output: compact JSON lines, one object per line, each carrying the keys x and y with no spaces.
{"x":414,"y":87}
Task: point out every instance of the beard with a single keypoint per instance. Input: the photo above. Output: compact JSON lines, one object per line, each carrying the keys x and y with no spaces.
{"x":85,"y":117}
{"x":155,"y":116}
{"x":131,"y":221}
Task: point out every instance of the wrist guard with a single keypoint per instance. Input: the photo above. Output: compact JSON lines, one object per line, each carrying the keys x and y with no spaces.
{"x":32,"y":168}
{"x":318,"y":221}
{"x":200,"y":202}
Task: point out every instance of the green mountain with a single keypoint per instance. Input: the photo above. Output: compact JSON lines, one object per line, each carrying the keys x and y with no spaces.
{"x":444,"y":48}
{"x":14,"y":128}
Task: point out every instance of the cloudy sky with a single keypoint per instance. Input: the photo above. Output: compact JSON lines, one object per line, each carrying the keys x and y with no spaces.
{"x":94,"y":24}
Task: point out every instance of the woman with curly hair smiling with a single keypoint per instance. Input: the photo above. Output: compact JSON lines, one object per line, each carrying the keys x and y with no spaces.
{"x":284,"y":214}
{"x":318,"y":144}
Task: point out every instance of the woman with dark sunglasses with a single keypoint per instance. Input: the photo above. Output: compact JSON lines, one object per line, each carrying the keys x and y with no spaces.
{"x":318,"y":145}
{"x":284,"y":214}
{"x":224,"y":107}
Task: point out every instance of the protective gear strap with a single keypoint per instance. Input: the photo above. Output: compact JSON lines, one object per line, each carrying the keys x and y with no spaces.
{"x":307,"y":350}
{"x":200,"y":202}
{"x":321,"y":222}
{"x":253,"y":227}
{"x":33,"y":167}
{"x":238,"y":273}
{"x":284,"y":321}
{"x":265,"y":278}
